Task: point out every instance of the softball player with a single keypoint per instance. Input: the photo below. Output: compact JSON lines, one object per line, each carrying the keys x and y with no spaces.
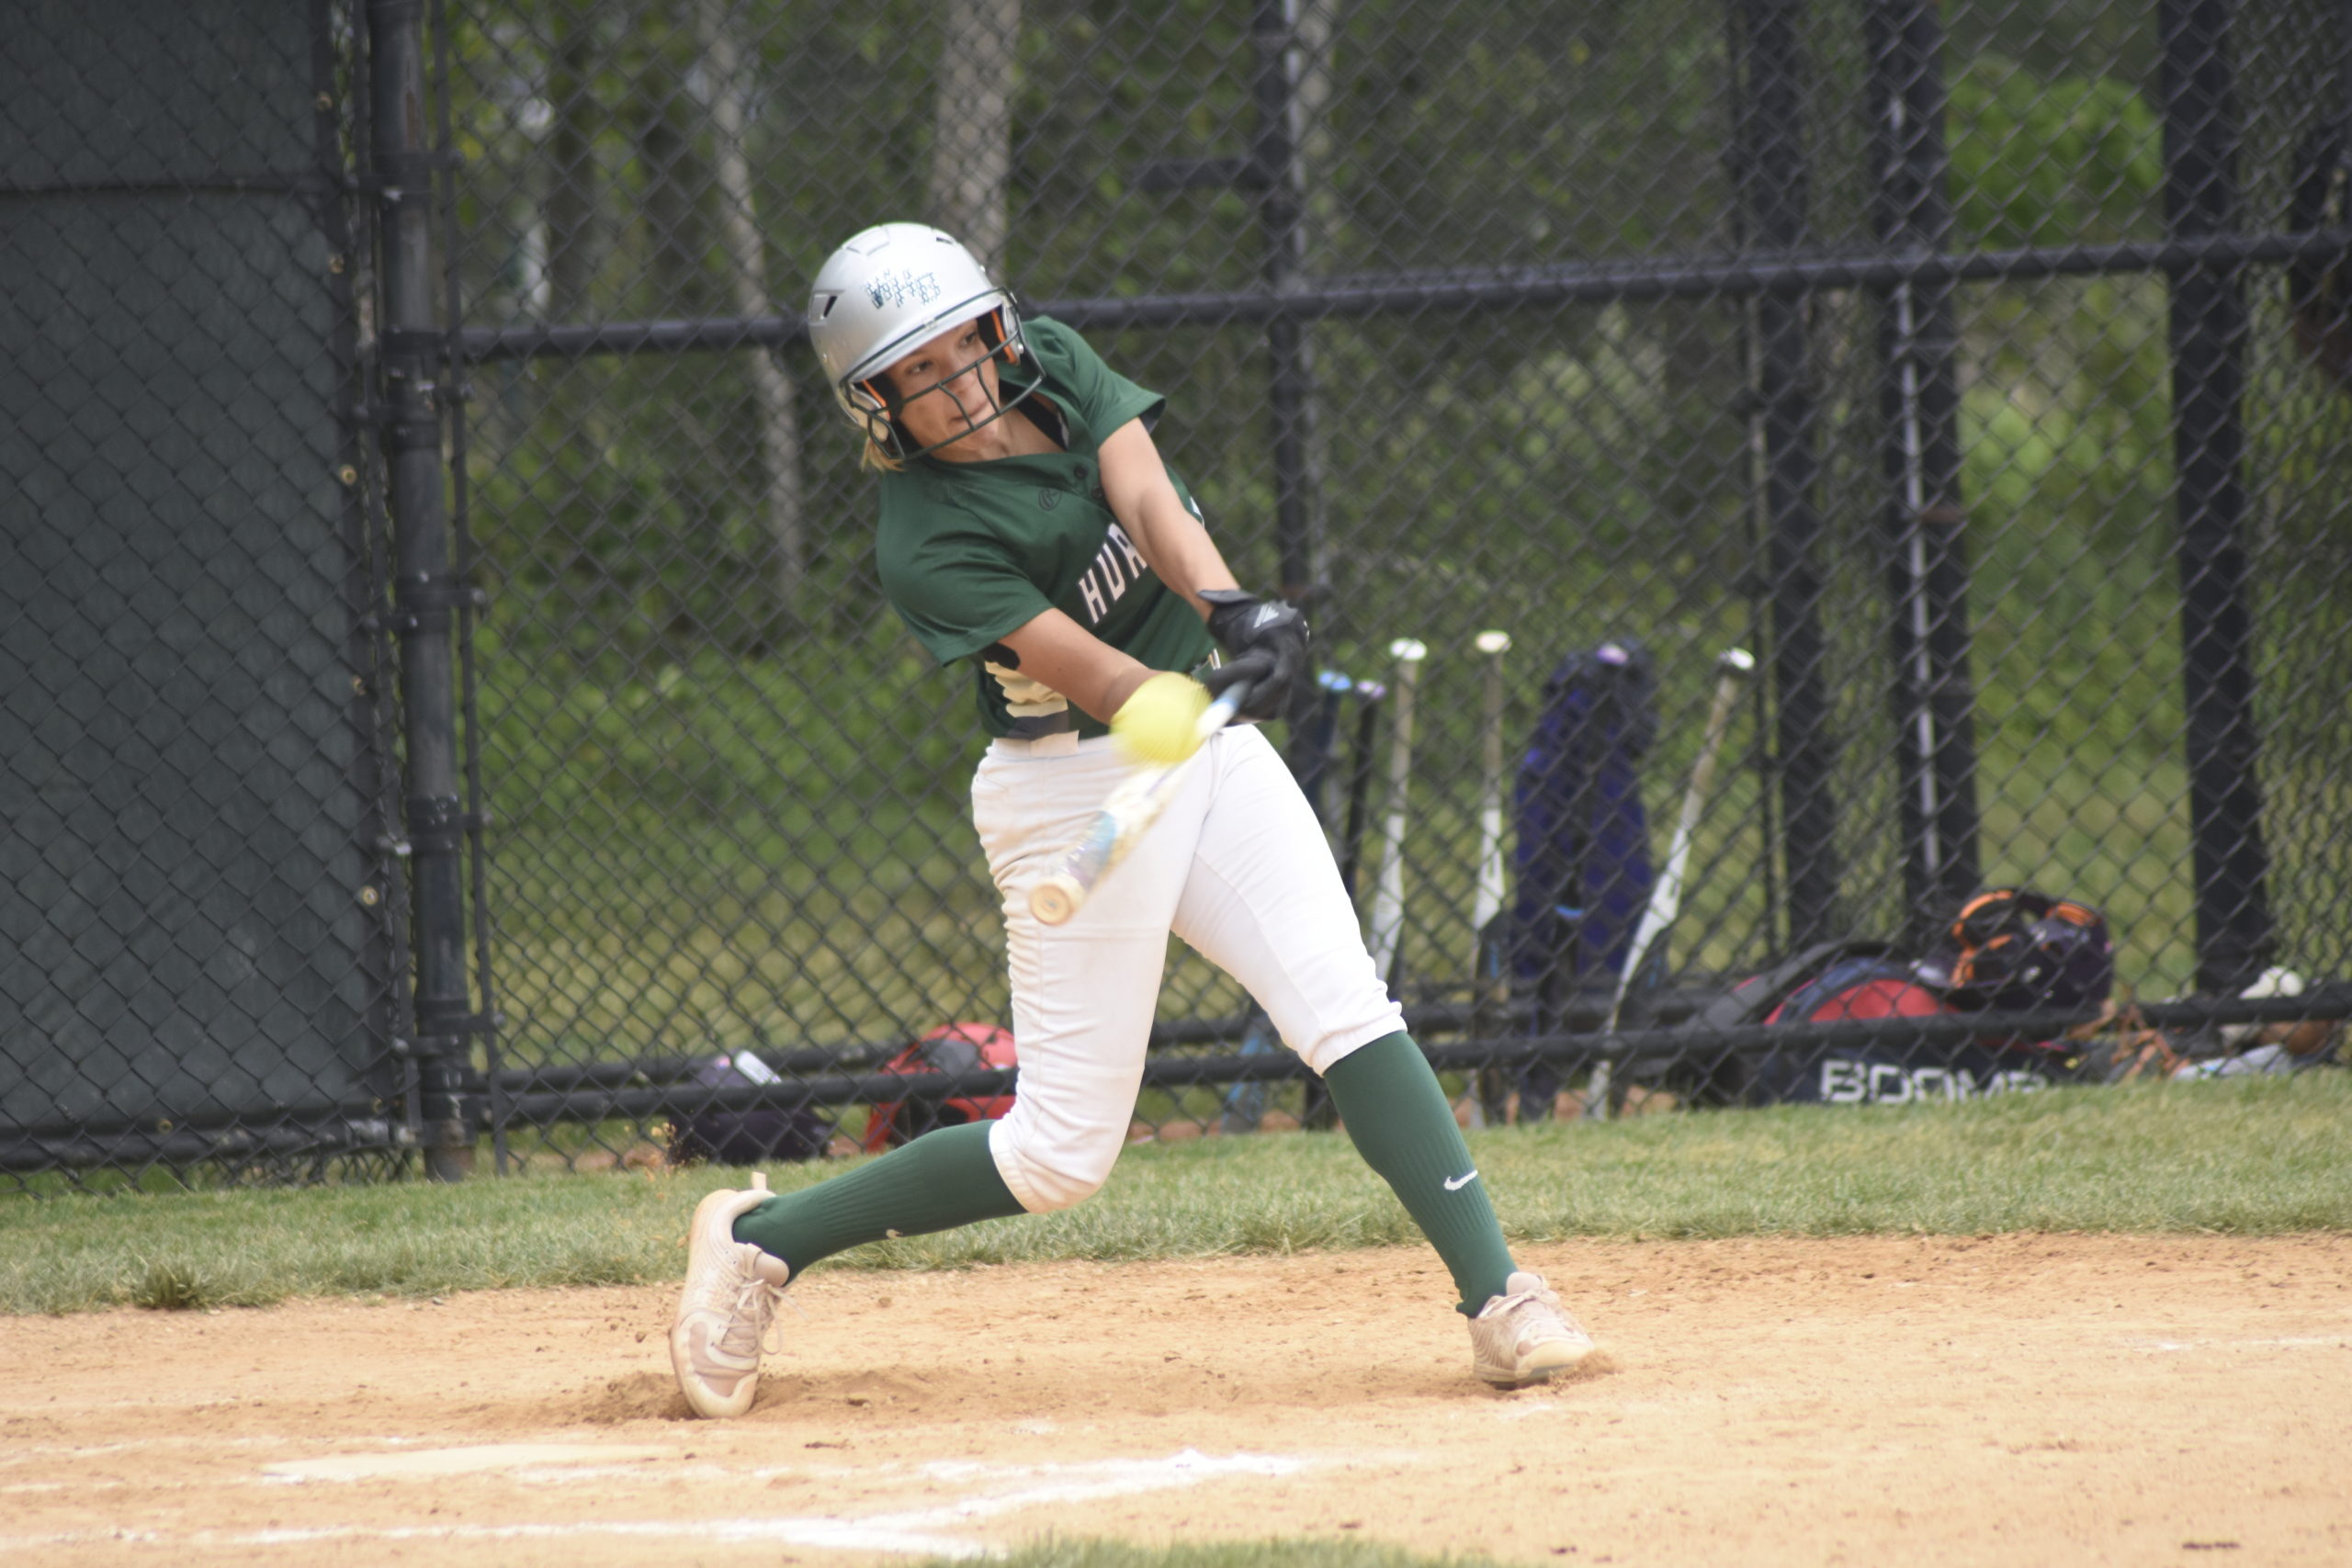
{"x":1029,"y":528}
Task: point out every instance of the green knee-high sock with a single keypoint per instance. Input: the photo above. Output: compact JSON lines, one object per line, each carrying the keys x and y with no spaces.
{"x":941,"y":1180}
{"x":1404,"y":1130}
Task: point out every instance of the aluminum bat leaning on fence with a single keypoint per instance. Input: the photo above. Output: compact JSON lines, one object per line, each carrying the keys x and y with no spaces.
{"x":1733,"y":668}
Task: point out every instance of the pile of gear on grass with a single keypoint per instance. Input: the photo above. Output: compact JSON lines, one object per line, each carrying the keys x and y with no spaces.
{"x":2007,"y":950}
{"x":762,"y":1133}
{"x":1569,"y":940}
{"x":1572,"y":934}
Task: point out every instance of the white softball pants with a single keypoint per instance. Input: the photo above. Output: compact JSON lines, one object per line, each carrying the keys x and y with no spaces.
{"x":1237,"y":866}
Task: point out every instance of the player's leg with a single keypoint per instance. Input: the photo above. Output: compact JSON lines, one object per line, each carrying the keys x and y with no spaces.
{"x":1264,"y":902}
{"x":1083,"y":999}
{"x":939,"y":1181}
{"x":744,"y":1246}
{"x":1084,"y":992}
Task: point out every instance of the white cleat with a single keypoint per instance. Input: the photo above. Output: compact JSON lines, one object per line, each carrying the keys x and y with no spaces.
{"x":730,"y":1297}
{"x":1525,"y":1335}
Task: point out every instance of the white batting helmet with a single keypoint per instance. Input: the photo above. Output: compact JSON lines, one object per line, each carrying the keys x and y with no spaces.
{"x":886,"y":292}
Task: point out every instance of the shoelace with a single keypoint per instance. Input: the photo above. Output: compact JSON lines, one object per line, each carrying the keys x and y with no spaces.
{"x":1509,"y":1305}
{"x":754,"y":1307}
{"x":1515,"y":1309}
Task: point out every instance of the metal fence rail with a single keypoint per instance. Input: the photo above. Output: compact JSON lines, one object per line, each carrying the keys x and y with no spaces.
{"x":1982,"y":373}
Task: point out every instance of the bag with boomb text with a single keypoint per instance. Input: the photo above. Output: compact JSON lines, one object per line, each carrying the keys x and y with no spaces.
{"x":1838,"y":982}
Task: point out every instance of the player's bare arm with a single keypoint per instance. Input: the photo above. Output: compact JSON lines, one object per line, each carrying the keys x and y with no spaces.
{"x":1054,"y":649}
{"x":1097,"y":678}
{"x":1180,"y":553}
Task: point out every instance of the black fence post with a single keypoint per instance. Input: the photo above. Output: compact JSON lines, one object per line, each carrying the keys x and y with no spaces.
{"x":2209,"y":337}
{"x":1927,"y":560}
{"x":1773,"y":180}
{"x":1282,"y":207}
{"x":424,"y":591}
{"x":454,"y":398}
{"x":373,"y":714}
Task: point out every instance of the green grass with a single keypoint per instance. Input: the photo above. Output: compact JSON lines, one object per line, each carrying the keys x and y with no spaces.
{"x":2251,"y":1158}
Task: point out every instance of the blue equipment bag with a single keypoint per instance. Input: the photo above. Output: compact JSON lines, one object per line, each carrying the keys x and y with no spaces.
{"x":1582,"y":861}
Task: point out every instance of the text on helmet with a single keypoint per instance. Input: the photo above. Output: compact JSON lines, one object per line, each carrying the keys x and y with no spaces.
{"x":897,"y":287}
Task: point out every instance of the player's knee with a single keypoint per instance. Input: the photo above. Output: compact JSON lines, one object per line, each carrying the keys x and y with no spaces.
{"x":1054,"y":1192}
{"x":1068,"y":1178}
{"x":1334,"y":1042}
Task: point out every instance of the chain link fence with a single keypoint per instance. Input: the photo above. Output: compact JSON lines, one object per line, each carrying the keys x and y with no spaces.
{"x":1980,"y":374}
{"x":202,"y":921}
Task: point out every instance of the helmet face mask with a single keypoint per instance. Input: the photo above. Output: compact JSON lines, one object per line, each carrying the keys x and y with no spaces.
{"x":883,"y":295}
{"x":966,"y":397}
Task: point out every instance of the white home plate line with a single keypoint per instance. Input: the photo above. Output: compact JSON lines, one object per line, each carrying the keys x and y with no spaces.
{"x":24,"y":1453}
{"x":913,"y":1531}
{"x":456,"y":1461}
{"x":2305,"y":1342}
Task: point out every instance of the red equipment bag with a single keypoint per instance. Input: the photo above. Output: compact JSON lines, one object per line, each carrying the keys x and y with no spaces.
{"x":950,"y":1048}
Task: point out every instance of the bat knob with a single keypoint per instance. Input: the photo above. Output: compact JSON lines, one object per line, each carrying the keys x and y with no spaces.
{"x":1056,"y":899}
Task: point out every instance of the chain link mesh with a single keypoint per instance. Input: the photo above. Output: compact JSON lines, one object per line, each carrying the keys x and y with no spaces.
{"x":1982,"y":371}
{"x":1849,"y":334}
{"x":200,"y":948}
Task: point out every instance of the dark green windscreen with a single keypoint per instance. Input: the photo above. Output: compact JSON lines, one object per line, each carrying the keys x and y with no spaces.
{"x":183,"y":781}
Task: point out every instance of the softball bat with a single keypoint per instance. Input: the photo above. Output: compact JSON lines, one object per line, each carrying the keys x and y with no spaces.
{"x":1388,"y":933}
{"x":1733,"y":667}
{"x":1125,"y":818}
{"x":1488,"y":900}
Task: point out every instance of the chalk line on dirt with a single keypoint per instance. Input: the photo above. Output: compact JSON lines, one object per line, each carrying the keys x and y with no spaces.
{"x":2304,"y":1342}
{"x":468,"y":1460}
{"x":917,"y":1531}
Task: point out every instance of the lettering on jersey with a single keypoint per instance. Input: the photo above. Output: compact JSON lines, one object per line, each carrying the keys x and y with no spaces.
{"x":1117,"y":567}
{"x":897,"y":287}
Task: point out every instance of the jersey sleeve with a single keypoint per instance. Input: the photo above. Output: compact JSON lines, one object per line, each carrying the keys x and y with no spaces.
{"x":1103,"y":398}
{"x":959,"y":592}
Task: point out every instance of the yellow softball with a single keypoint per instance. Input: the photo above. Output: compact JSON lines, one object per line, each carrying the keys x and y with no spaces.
{"x":1161,"y":722}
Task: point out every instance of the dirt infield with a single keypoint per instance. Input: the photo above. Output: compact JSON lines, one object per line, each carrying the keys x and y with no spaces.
{"x":2013,"y":1400}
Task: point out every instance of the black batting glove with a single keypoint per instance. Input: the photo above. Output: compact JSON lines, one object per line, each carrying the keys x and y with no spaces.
{"x":1233,"y":673}
{"x":1267,"y":640}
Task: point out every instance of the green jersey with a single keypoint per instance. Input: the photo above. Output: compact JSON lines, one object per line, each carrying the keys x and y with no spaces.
{"x":968,"y":552}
